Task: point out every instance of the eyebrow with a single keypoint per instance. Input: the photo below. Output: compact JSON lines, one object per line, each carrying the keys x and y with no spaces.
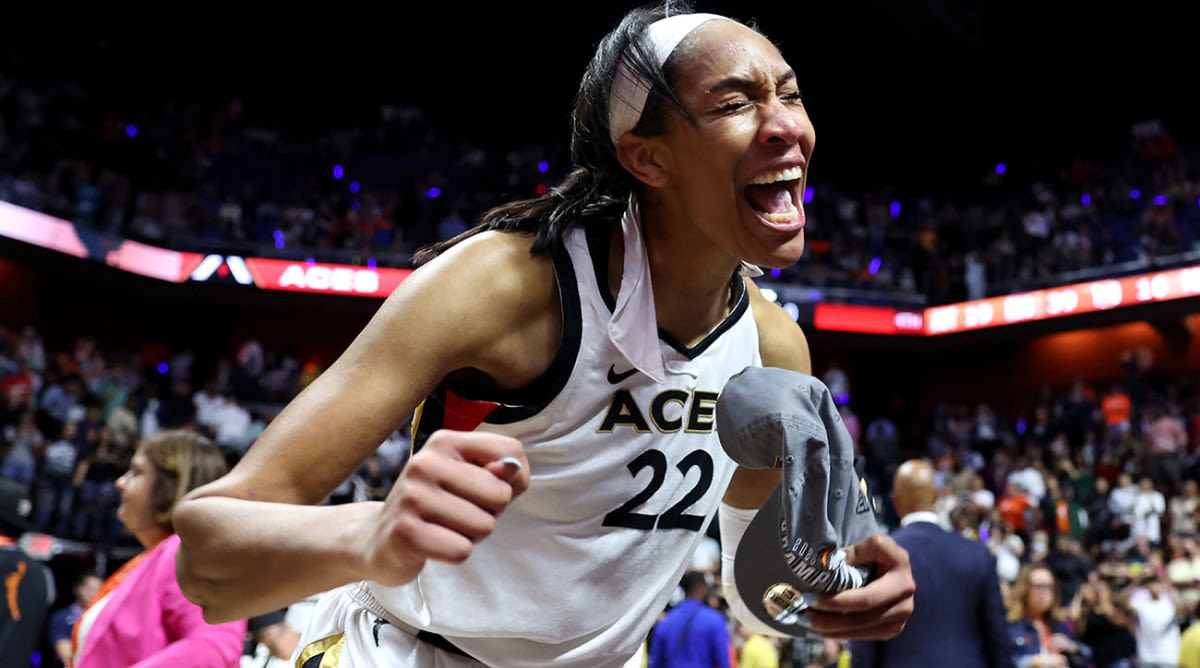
{"x":746,"y":83}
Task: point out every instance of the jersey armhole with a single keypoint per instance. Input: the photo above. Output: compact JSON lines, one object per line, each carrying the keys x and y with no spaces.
{"x":464,"y":411}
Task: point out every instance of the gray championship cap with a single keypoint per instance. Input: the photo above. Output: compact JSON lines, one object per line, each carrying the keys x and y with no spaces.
{"x":770,"y":418}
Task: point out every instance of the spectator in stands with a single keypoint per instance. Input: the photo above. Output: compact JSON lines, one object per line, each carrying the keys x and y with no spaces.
{"x":1076,"y":413}
{"x":228,"y":420}
{"x":277,"y":635}
{"x":56,"y":482}
{"x":1028,"y":477}
{"x":1185,"y":509}
{"x":96,"y":488}
{"x":756,"y":650}
{"x":1117,"y":410}
{"x":838,"y":382}
{"x":28,"y":584}
{"x":980,"y":496}
{"x":853,"y":424}
{"x":206,"y":400}
{"x":177,"y":409}
{"x":1015,"y":507}
{"x":1103,"y":625}
{"x":32,"y":349}
{"x":25,"y":446}
{"x":139,"y":615}
{"x":1075,"y":471}
{"x":58,"y":399}
{"x":1107,"y":466}
{"x":881,"y":446}
{"x":1135,"y":364}
{"x":975,"y":275}
{"x":123,"y":421}
{"x":1157,"y":233}
{"x":1070,"y":516}
{"x":1164,"y":442}
{"x":370,"y":484}
{"x":1042,"y":428}
{"x":1039,"y":545}
{"x":11,"y":406}
{"x":451,"y":225}
{"x":1156,"y":613}
{"x":1121,"y":502}
{"x":1038,"y":631}
{"x":58,"y":634}
{"x":947,"y":505}
{"x":1071,"y":569}
{"x":1101,"y":520}
{"x":275,"y":640}
{"x":1149,"y":506}
{"x":1183,"y":569}
{"x":1008,"y":549}
{"x":959,"y":616}
{"x":22,"y":384}
{"x":1189,"y":643}
{"x":691,"y":633}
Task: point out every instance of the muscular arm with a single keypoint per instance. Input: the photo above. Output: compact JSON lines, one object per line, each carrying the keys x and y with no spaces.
{"x":877,"y":610}
{"x":782,"y":344}
{"x":250,"y":540}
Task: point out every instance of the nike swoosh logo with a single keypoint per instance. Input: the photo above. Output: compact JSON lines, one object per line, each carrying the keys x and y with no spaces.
{"x":614,"y":377}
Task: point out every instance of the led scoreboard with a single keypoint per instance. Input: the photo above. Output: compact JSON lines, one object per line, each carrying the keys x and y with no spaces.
{"x":1067,"y":300}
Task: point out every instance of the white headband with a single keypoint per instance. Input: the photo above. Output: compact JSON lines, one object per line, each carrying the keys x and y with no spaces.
{"x":630,"y":90}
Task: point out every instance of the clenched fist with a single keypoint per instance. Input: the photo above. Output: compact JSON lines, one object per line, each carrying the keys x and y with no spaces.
{"x":446,"y":499}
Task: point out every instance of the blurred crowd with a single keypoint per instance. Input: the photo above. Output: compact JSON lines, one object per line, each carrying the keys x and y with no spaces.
{"x":209,"y":176}
{"x":1088,"y":499}
{"x":72,"y":418}
{"x":1096,"y":482}
{"x":228,"y":177}
{"x":1088,"y":502}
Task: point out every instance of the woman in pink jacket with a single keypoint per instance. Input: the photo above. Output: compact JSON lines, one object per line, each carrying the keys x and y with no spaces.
{"x":140,"y":619}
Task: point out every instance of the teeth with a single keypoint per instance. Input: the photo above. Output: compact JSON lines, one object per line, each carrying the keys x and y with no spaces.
{"x":789,"y":174}
{"x":785,"y":217}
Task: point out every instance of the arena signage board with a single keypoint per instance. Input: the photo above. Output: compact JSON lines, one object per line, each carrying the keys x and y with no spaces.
{"x":324,"y":278}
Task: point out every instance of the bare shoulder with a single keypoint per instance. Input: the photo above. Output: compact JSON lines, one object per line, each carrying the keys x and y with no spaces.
{"x":494,"y":270}
{"x":781,"y":341}
{"x":499,"y":300}
{"x":486,"y":304}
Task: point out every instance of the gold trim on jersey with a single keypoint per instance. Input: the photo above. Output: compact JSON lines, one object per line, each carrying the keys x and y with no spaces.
{"x":327,"y":652}
{"x":416,"y":424}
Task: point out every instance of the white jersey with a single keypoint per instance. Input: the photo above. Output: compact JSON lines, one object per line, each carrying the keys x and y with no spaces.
{"x":627,"y":474}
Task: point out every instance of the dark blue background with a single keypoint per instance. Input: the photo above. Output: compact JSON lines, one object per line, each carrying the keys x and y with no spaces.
{"x":919,"y":92}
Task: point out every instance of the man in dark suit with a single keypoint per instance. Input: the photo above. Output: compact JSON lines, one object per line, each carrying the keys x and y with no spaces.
{"x":959,"y":618}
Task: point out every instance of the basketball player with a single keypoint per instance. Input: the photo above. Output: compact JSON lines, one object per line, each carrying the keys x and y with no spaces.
{"x":563,"y":359}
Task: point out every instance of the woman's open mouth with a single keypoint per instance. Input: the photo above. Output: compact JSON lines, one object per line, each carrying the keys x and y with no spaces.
{"x":776,"y":198}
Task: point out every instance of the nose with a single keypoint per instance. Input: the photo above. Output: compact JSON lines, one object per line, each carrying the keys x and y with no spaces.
{"x":783,"y":124}
{"x":120,"y":484}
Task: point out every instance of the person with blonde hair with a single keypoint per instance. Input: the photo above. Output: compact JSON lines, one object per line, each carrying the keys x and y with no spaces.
{"x":140,"y":617}
{"x":1039,"y":636}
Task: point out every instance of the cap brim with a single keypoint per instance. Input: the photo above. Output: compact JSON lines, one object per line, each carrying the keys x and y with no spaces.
{"x":759,"y":566}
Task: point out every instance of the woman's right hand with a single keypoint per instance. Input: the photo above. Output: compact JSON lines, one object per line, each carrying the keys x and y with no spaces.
{"x":1050,"y":661}
{"x":1062,"y":644}
{"x":446,"y":499}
